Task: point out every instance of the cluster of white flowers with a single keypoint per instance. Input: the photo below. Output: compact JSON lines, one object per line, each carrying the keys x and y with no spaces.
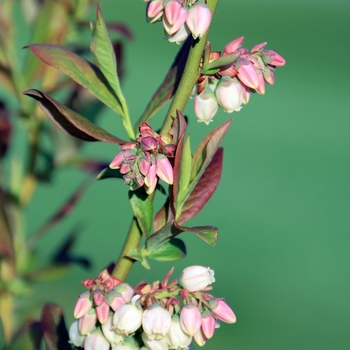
{"x":157,"y":316}
{"x":180,"y":18}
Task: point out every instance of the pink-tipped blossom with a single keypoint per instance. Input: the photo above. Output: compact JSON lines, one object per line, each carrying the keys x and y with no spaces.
{"x":196,"y":278}
{"x":205,"y":106}
{"x":190,"y":319}
{"x":102,"y":312}
{"x":127,"y":318}
{"x":180,"y":21}
{"x":221,"y":310}
{"x":198,"y":20}
{"x":246,"y":73}
{"x":172,"y":11}
{"x":83,"y":304}
{"x":115,"y":300}
{"x":176,"y":337}
{"x":96,"y":341}
{"x":200,"y":338}
{"x":156,"y":322}
{"x":125,"y":290}
{"x":233,"y":45}
{"x":208,"y":324}
{"x":272,"y":58}
{"x":75,"y":337}
{"x":229,"y":94}
{"x":87,"y":322}
{"x":154,"y":10}
{"x":164,"y":169}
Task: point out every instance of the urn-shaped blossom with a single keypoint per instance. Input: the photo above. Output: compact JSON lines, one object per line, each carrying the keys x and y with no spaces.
{"x":208,"y":324}
{"x":96,"y":341}
{"x":176,"y":337}
{"x":87,"y":322}
{"x":75,"y":337}
{"x":198,"y":20}
{"x":109,"y":332}
{"x":229,"y":94}
{"x":190,"y":319}
{"x":127,"y":318}
{"x":205,"y":106}
{"x":196,"y":278}
{"x":156,"y":322}
{"x":154,"y":344}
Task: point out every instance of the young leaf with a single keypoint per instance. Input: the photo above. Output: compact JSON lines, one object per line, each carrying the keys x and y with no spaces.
{"x":54,"y":328}
{"x":80,"y":70}
{"x":204,"y":188}
{"x":169,"y":85}
{"x":209,"y":234}
{"x":142,"y":209}
{"x":164,"y":235}
{"x":103,"y":51}
{"x":138,"y":255}
{"x":220,"y":62}
{"x":69,"y":121}
{"x":173,"y":250}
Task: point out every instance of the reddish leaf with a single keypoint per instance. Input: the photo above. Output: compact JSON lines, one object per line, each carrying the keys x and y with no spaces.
{"x":69,"y":121}
{"x":169,"y":85}
{"x":204,"y":188}
{"x":80,"y":70}
{"x":178,"y":127}
{"x":54,"y":328}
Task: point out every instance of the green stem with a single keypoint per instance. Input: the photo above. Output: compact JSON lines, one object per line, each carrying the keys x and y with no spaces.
{"x":124,"y":264}
{"x":189,"y":77}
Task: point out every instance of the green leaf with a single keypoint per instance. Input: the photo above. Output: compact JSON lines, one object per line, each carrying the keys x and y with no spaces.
{"x":102,"y":49}
{"x":169,"y":85}
{"x":54,"y":328}
{"x":208,"y":234}
{"x":173,"y":250}
{"x":139,"y":255}
{"x":164,"y":235}
{"x":80,"y":70}
{"x":69,"y":121}
{"x":220,"y":62}
{"x":142,"y":209}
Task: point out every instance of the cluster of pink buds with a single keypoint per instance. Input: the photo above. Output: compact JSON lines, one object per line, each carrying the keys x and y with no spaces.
{"x":180,"y":18}
{"x":157,"y":316}
{"x":144,"y":161}
{"x":227,"y":78}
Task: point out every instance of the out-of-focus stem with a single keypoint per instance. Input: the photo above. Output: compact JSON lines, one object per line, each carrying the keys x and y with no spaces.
{"x":189,"y":77}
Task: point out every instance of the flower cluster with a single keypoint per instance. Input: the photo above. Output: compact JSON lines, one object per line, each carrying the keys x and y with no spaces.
{"x":160,"y":315}
{"x":144,"y":161}
{"x":180,"y":18}
{"x":227,"y":78}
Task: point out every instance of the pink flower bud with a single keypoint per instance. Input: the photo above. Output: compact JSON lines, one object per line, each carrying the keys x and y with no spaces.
{"x":154,"y":344}
{"x":83,"y":305}
{"x":190,"y":319}
{"x":164,"y":169}
{"x":98,"y":296}
{"x":176,"y":338}
{"x":75,"y":337}
{"x":151,"y":178}
{"x":117,"y":161}
{"x":261,"y":86}
{"x":154,"y":10}
{"x":149,"y":143}
{"x":156,"y":322}
{"x":109,"y":333}
{"x":258,"y":47}
{"x":144,"y":165}
{"x":178,"y":23}
{"x":198,"y":20}
{"x":195,"y":278}
{"x":245,"y":94}
{"x":205,"y":106}
{"x":127,"y":318}
{"x":126,"y":291}
{"x":233,"y":45}
{"x":221,"y":310}
{"x":200,"y":338}
{"x":115,"y":300}
{"x":102,"y":312}
{"x":269,"y":76}
{"x":246,"y":73}
{"x":229,"y":94}
{"x":172,"y":11}
{"x":272,"y":58}
{"x":208,"y":324}
{"x":87,"y":322}
{"x":178,"y":37}
{"x":96,"y":341}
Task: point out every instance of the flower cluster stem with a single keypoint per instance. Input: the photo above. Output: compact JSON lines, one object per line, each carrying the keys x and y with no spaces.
{"x":189,"y":76}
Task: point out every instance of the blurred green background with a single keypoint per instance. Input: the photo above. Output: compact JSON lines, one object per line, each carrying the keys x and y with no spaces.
{"x":282,"y":207}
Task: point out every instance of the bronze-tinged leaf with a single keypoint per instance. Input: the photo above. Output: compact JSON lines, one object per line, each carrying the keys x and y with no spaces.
{"x":169,"y":85}
{"x":54,"y":328}
{"x":204,"y":188}
{"x":83,"y":72}
{"x":69,"y":121}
